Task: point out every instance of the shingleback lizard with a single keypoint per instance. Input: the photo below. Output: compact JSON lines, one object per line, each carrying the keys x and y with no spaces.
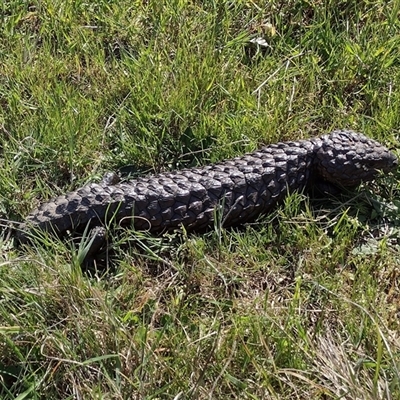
{"x":242,"y":187}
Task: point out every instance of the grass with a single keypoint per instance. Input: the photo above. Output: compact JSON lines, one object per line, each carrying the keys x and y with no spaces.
{"x":303,"y":303}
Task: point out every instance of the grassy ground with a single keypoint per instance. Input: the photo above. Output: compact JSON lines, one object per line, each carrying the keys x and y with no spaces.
{"x":304,"y":303}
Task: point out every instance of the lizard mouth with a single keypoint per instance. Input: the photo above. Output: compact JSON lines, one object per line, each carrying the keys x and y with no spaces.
{"x":394,"y":162}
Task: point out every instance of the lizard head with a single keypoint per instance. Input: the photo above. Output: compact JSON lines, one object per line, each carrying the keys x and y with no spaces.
{"x":347,"y":158}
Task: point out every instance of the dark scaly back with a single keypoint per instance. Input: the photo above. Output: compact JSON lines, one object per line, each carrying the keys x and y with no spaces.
{"x":242,"y":188}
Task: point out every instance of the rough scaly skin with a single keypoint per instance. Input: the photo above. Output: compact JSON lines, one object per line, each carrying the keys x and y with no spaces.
{"x":241,"y":188}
